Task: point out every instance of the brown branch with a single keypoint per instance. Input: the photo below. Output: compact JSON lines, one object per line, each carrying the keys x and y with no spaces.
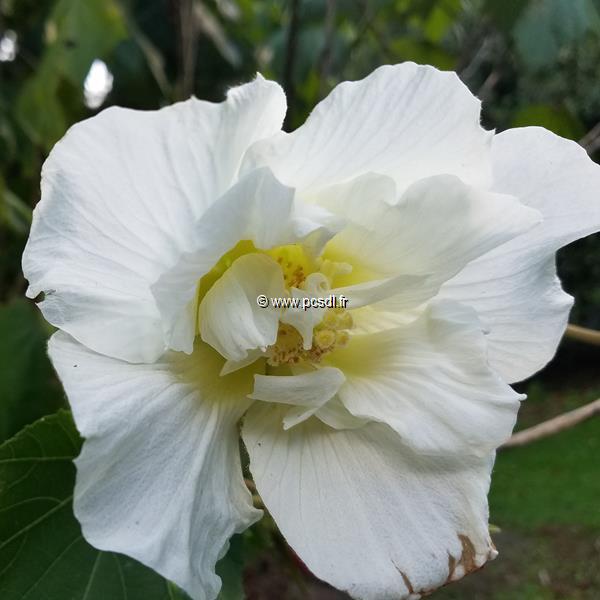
{"x":553,"y":426}
{"x":290,"y":61}
{"x":188,"y":38}
{"x":583,"y":334}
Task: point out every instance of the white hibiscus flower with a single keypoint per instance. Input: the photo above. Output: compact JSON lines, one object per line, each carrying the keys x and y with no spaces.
{"x":371,"y":431}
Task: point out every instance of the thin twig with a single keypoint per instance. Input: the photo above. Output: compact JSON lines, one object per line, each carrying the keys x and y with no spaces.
{"x":488,"y":85}
{"x":290,"y":61}
{"x":154,"y":59}
{"x":364,"y":23}
{"x":583,"y":334}
{"x":379,"y":40}
{"x":553,"y":426}
{"x":326,"y":52}
{"x":188,"y":37}
{"x":591,"y":140}
{"x":256,"y":499}
{"x":476,"y":60}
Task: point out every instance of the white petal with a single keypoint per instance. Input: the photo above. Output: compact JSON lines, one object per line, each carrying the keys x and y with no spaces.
{"x":438,"y":226}
{"x":406,"y":121}
{"x":514,"y":288}
{"x":231,"y":366}
{"x":553,"y":175}
{"x":361,"y":198}
{"x":230,"y":319}
{"x":307,"y":393}
{"x":258,"y":208}
{"x":159,"y":477}
{"x":336,"y":415}
{"x":120,"y":195}
{"x":522,"y":307}
{"x":430,"y":381}
{"x":364,"y":512}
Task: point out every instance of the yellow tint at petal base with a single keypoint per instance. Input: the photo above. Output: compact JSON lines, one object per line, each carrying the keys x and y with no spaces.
{"x":240,"y":249}
{"x":335,"y":253}
{"x":296,"y":265}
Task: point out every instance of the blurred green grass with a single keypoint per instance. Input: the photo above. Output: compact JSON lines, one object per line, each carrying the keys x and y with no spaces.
{"x":553,"y":481}
{"x":545,"y":498}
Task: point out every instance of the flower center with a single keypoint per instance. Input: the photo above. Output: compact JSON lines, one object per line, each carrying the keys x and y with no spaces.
{"x":329,"y":334}
{"x":295,"y":264}
{"x":305,"y":334}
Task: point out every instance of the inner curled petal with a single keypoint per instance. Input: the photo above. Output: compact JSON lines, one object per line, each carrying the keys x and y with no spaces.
{"x":230,"y":320}
{"x":262,"y":213}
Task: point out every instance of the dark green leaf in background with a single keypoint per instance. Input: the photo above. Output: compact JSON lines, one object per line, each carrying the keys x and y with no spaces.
{"x":42,"y":552}
{"x":14,"y":213}
{"x":546,"y":25}
{"x":558,"y":120}
{"x":76,"y":33}
{"x":504,"y":13}
{"x":423,"y":52}
{"x":440,"y":20}
{"x":28,"y":386}
{"x":44,"y":127}
{"x":230,"y":570}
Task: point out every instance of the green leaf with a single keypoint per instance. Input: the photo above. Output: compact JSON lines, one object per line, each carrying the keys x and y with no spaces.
{"x":28,"y":387}
{"x":547,"y":25}
{"x":42,"y":551}
{"x":153,"y":56}
{"x":44,"y":127}
{"x":231,"y":568}
{"x":506,"y":13}
{"x":78,"y":32}
{"x":440,"y":20}
{"x":13,"y":211}
{"x":558,"y":120}
{"x":421,"y":51}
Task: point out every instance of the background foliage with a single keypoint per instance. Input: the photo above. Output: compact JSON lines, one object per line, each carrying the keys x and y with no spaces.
{"x":532,"y":62}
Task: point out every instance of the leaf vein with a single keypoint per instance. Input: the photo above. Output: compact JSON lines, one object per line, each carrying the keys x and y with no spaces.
{"x":88,"y":587}
{"x":47,"y":570}
{"x":121,"y":576}
{"x":39,"y":520}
